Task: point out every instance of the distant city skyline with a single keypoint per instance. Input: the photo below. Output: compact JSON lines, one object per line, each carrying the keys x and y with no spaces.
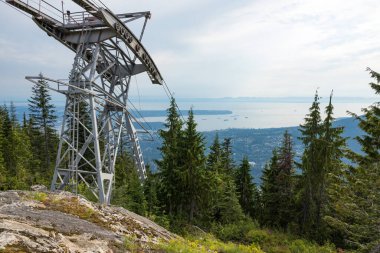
{"x":215,"y":49}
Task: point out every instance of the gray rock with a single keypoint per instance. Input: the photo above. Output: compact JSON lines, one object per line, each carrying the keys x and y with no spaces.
{"x":64,"y":222}
{"x":38,"y":188}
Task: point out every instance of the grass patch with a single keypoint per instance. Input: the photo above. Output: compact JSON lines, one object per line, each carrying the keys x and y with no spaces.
{"x":69,"y":205}
{"x":40,"y":196}
{"x":269,"y":241}
{"x":131,"y":244}
{"x":205,"y":244}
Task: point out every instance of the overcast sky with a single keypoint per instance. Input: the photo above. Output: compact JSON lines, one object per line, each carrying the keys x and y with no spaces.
{"x":220,"y":48}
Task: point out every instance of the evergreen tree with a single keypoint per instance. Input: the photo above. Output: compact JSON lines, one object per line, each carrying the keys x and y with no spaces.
{"x":270,"y":197}
{"x":168,"y":167}
{"x":227,"y":157}
{"x":222,"y":205}
{"x":23,"y":152}
{"x":150,"y":191}
{"x":369,"y":123}
{"x":13,"y":116}
{"x":8,"y":143}
{"x":322,"y":158}
{"x":278,"y":187}
{"x":246,"y":188}
{"x":355,"y":192}
{"x":285,"y":183}
{"x":43,"y":114}
{"x":16,"y":151}
{"x":332,"y":154}
{"x":129,"y":192}
{"x":355,"y":213}
{"x":3,"y":172}
{"x":230,"y":210}
{"x":193,"y":168}
{"x":312,"y":171}
{"x":214,"y":158}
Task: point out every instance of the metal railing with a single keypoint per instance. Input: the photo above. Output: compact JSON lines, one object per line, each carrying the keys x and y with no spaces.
{"x":45,"y":8}
{"x":78,"y":18}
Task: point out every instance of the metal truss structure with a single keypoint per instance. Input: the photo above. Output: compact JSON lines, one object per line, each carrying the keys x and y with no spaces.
{"x":96,"y":115}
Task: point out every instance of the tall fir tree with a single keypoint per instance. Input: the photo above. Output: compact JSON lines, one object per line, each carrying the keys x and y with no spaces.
{"x":3,"y":172}
{"x":16,"y":151}
{"x":129,"y":192}
{"x":222,"y":205}
{"x":44,"y":118}
{"x":324,"y":150}
{"x":150,"y":191}
{"x":246,"y":188}
{"x":355,"y":192}
{"x":278,"y":187}
{"x":168,"y":166}
{"x":285,"y":182}
{"x":214,"y":158}
{"x":312,"y":171}
{"x":269,"y":193}
{"x":193,"y":169}
{"x":332,"y":153}
{"x":9,"y":147}
{"x":369,"y":142}
{"x":227,"y":157}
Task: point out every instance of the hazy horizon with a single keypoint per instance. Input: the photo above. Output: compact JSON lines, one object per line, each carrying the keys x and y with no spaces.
{"x":214,"y":48}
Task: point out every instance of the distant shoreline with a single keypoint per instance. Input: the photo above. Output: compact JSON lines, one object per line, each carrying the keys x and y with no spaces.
{"x":163,"y":113}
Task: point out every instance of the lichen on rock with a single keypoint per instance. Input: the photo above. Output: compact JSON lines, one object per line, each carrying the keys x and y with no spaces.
{"x":41,"y":221}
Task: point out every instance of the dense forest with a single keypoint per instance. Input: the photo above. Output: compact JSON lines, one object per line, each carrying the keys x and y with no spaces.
{"x":331,"y":196}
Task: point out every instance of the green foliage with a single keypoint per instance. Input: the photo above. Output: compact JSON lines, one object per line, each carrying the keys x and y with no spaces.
{"x":370,"y":123}
{"x":129,"y":193}
{"x":278,"y":188}
{"x":168,"y":167}
{"x":327,"y":201}
{"x":192,"y":172}
{"x":354,"y":192}
{"x":227,"y":159}
{"x":268,"y":240}
{"x":237,"y":232}
{"x":42,"y":133}
{"x":150,"y":192}
{"x":130,"y":244}
{"x":312,"y":171}
{"x":40,"y":196}
{"x":222,"y":203}
{"x":324,"y":151}
{"x":246,"y":189}
{"x":301,"y":246}
{"x":16,"y":160}
{"x":206,"y":244}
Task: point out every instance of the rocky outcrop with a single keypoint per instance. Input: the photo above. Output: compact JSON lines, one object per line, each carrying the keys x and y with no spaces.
{"x":62,"y":222}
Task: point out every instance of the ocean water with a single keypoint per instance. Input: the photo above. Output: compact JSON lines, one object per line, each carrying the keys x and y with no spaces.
{"x":256,"y":113}
{"x":236,"y":112}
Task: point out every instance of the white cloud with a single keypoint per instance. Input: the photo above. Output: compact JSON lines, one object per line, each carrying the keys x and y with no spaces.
{"x":292,"y":43}
{"x":240,"y":48}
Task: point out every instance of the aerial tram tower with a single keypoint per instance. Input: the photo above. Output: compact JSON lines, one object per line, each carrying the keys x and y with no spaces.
{"x":96,"y":117}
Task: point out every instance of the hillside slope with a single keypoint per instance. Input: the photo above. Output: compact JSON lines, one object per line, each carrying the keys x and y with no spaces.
{"x":41,"y":221}
{"x":63,"y":222}
{"x":257,"y":144}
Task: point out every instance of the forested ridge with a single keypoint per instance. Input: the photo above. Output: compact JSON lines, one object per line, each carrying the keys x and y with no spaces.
{"x":330,"y":202}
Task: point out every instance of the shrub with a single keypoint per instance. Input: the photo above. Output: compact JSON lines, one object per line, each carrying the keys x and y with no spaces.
{"x":236,"y":232}
{"x":40,"y":196}
{"x":300,"y":246}
{"x":206,"y":244}
{"x":257,"y":236}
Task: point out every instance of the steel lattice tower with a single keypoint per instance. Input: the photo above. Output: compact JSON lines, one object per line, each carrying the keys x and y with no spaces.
{"x":96,"y":114}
